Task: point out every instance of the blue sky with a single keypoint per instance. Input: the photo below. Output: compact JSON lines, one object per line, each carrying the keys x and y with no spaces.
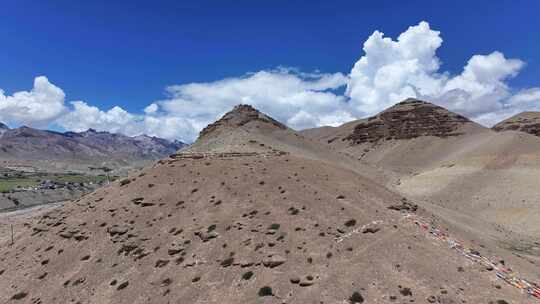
{"x":126,"y":53}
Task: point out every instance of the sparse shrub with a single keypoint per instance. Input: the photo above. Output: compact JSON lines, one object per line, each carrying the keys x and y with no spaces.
{"x":356,"y":297}
{"x":274,"y":226}
{"x":265,"y":291}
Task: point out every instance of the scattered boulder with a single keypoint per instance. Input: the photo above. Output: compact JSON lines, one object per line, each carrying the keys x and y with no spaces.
{"x":306,"y":281}
{"x":405,"y":291}
{"x":227,"y":262}
{"x":246,"y":276}
{"x":161,"y":263}
{"x":19,"y":296}
{"x":117,"y":230}
{"x":122,"y":285}
{"x":137,"y":200}
{"x":371,"y":230}
{"x":206,"y":236}
{"x":128,"y":247}
{"x":174,"y":251}
{"x":404,"y":205}
{"x":350,"y":223}
{"x":274,"y":261}
{"x":295,"y":279}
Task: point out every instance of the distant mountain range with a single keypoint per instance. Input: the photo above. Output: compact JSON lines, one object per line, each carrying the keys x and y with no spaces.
{"x":89,"y":147}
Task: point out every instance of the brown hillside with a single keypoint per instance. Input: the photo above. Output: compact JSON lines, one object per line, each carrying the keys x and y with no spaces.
{"x":249,"y":226}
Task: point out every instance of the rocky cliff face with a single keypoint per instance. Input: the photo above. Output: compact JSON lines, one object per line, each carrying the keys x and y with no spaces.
{"x":528,"y":122}
{"x":408,"y":119}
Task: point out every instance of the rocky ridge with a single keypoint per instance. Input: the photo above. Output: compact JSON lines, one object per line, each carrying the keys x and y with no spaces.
{"x":528,"y":122}
{"x":408,"y":119}
{"x":237,"y":117}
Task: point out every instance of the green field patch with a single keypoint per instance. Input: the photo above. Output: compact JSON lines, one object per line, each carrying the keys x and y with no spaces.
{"x":7,"y":185}
{"x":12,"y":183}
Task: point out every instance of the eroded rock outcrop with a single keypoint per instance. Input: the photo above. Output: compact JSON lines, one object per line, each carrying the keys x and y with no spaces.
{"x":528,"y":122}
{"x":239,"y":116}
{"x":408,"y":119}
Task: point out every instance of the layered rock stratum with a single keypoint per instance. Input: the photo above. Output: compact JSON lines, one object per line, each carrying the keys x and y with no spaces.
{"x":528,"y":122}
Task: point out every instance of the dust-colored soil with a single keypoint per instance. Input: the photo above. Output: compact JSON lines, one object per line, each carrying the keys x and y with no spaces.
{"x":254,"y":212}
{"x":205,"y":224}
{"x":491,"y":176}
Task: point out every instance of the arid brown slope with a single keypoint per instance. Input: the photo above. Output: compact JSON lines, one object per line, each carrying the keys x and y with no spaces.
{"x":480,"y":178}
{"x":266,"y":228}
{"x":409,"y":135}
{"x":221,"y":230}
{"x":528,"y":122}
{"x":244,"y":129}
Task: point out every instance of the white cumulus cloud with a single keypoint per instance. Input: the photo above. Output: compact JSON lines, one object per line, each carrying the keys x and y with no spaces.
{"x":295,"y":99}
{"x":298,"y":99}
{"x":83,"y":117}
{"x":37,"y":107}
{"x":392,"y":70}
{"x":388,"y":71}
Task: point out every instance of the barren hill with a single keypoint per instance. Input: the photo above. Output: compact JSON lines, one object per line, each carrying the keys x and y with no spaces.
{"x":408,"y":119}
{"x":251,"y":226}
{"x":462,"y":170}
{"x":244,"y":129}
{"x":528,"y":122}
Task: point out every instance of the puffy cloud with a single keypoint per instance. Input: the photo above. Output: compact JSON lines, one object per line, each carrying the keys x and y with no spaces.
{"x":480,"y":88}
{"x":522,"y":101}
{"x":297,"y":99}
{"x":391,"y":70}
{"x":388,"y":72}
{"x":151,"y":109}
{"x":38,"y":107}
{"x":83,"y":117}
{"x":117,"y":120}
{"x":527,"y":98}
